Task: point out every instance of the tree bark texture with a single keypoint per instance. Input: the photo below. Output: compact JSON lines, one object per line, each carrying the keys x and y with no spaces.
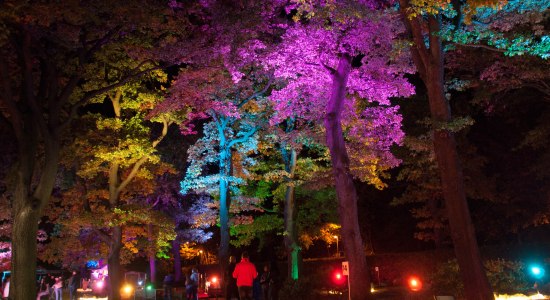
{"x":223,"y":251}
{"x":359,"y":273}
{"x":430,"y":64}
{"x":27,"y":206}
{"x":115,"y":272}
{"x":152,"y":258}
{"x":177,"y":260}
{"x":291,"y":239}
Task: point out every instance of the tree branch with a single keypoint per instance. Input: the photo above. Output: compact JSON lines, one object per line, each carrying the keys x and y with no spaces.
{"x":243,"y":138}
{"x":9,"y":109}
{"x":132,"y":174}
{"x":330,"y":69}
{"x":258,"y":93}
{"x":103,"y":236}
{"x":89,"y":95}
{"x":483,"y":46}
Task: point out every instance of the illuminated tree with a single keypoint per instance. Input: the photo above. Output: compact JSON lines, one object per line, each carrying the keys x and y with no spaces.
{"x":49,"y":52}
{"x":236,"y":111}
{"x":332,"y":62}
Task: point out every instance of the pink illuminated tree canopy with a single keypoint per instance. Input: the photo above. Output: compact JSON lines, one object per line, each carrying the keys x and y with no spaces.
{"x":341,"y":66}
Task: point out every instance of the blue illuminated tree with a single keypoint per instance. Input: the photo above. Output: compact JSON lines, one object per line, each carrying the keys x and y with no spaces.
{"x":235,"y":111}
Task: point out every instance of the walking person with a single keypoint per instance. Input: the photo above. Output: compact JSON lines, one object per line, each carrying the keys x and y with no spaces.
{"x":231,"y":290}
{"x":192,"y":285}
{"x":245,"y":273}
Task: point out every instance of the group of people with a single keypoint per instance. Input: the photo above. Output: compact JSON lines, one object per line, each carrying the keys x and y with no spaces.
{"x":191,"y":285}
{"x":244,"y":283}
{"x":51,"y":287}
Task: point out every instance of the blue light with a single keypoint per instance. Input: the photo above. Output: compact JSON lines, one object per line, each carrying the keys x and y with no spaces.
{"x":92,"y":264}
{"x":537,"y":271}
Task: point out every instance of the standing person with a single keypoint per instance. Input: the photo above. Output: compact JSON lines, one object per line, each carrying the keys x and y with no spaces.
{"x":231,"y":284}
{"x":168,"y":282}
{"x":58,"y":288}
{"x":50,"y":280}
{"x":265,"y":282}
{"x":192,"y":285}
{"x":245,"y":273}
{"x":44,"y":289}
{"x":74,"y":282}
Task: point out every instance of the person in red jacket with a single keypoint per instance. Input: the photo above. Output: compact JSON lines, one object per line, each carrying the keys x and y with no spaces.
{"x":245,"y":273}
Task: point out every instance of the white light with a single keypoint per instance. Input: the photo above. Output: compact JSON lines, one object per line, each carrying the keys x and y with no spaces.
{"x":537,"y":296}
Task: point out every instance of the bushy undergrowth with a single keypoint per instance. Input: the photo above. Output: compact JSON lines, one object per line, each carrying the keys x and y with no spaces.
{"x":297,"y":289}
{"x":505,"y":277}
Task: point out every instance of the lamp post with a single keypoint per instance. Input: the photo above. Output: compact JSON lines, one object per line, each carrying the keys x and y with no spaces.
{"x":337,"y":250}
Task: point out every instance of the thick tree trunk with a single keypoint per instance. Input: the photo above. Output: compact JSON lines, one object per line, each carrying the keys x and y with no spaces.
{"x":476,"y":285}
{"x":177,"y":260}
{"x":291,"y":245}
{"x":27,"y":209}
{"x":359,"y":275}
{"x":25,"y":226}
{"x":429,"y":61}
{"x":115,"y":272}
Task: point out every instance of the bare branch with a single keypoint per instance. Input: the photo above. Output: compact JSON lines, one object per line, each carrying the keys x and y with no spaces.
{"x":483,"y":46}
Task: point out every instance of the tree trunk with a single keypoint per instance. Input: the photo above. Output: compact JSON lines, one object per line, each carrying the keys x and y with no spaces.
{"x":223,"y":253}
{"x":115,"y":272}
{"x":177,"y":259}
{"x":25,"y":226}
{"x":430,"y":64}
{"x":152,"y":256}
{"x":476,"y":285}
{"x":291,"y":244}
{"x":359,"y":274}
{"x":27,"y":208}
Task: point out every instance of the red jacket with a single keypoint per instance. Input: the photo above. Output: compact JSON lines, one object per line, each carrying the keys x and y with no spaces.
{"x":245,"y":272}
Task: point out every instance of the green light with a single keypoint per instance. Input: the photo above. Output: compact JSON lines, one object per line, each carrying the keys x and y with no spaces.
{"x":149,"y":287}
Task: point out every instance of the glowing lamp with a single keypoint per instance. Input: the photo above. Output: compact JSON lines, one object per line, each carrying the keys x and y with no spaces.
{"x":338,"y":277}
{"x":127,"y":289}
{"x":415,"y":284}
{"x":140,"y":283}
{"x":100,"y":284}
{"x":214,"y":279}
{"x":537,"y":271}
{"x":149,"y":287}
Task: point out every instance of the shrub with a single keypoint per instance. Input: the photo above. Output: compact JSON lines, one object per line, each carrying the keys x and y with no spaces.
{"x":505,"y":277}
{"x":296,"y":289}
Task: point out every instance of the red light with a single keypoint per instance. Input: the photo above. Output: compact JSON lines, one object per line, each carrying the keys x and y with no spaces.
{"x":415,"y":284}
{"x":338,"y":278}
{"x":214,"y":279}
